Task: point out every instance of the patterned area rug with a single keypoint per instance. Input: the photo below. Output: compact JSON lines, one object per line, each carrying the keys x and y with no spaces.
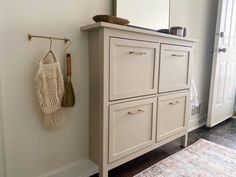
{"x":201,"y":159}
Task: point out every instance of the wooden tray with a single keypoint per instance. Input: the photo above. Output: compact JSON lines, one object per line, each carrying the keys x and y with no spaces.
{"x":110,"y":19}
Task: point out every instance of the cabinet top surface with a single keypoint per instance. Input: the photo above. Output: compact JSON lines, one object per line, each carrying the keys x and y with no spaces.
{"x":95,"y":26}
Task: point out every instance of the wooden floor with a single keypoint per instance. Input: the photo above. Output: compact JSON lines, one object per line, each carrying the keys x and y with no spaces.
{"x":224,"y":134}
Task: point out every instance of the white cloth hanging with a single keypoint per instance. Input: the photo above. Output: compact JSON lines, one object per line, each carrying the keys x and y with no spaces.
{"x":194,"y":95}
{"x":235,"y":107}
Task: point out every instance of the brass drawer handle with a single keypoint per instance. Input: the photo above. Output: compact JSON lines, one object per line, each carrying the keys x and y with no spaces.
{"x":176,"y":55}
{"x":174,"y":103}
{"x":136,"y":112}
{"x":137,"y":53}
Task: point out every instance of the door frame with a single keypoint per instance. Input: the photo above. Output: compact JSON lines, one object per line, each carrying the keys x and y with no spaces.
{"x":2,"y":143}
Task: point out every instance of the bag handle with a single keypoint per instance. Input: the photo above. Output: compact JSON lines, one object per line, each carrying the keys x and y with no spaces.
{"x":42,"y":61}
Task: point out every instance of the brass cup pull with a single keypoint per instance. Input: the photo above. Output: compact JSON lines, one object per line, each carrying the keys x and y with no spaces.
{"x":176,"y":55}
{"x":174,"y":103}
{"x":136,"y":112}
{"x":137,"y":53}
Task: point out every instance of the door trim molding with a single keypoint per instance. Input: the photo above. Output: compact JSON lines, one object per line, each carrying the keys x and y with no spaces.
{"x":2,"y":143}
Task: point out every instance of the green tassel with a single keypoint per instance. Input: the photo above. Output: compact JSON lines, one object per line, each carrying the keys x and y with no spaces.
{"x":69,"y":96}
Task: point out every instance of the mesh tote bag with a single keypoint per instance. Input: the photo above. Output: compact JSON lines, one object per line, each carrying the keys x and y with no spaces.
{"x":49,"y":86}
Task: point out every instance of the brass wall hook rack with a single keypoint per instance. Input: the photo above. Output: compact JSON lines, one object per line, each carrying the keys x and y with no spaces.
{"x":47,"y":37}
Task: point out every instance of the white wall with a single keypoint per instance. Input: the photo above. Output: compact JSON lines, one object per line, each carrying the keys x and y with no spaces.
{"x":31,"y":150}
{"x":199,"y":16}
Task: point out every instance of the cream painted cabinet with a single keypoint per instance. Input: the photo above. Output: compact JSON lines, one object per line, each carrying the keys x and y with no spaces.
{"x":139,"y":85}
{"x":172,"y":115}
{"x":125,"y":122}
{"x":133,"y":68}
{"x":174,"y":68}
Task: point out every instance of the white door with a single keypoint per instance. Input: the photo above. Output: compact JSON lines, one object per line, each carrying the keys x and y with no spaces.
{"x":222,"y":91}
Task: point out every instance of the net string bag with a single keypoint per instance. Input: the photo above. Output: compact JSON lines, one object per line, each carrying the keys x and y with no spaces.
{"x":54,"y":120}
{"x":49,"y":85}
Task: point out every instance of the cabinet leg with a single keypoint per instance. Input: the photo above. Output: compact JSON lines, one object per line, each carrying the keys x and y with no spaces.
{"x":103,"y":173}
{"x":184,"y":140}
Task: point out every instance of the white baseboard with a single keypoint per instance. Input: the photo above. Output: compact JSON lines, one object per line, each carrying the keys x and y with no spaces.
{"x":196,"y":122}
{"x":82,"y":168}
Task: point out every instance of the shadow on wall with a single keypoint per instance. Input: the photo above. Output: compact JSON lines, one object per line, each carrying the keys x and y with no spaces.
{"x":199,"y":16}
{"x":209,"y":45}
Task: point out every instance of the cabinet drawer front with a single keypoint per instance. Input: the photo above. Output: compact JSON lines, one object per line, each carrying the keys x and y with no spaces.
{"x":133,"y":68}
{"x":174,"y":68}
{"x":173,"y":112}
{"x":131,"y":127}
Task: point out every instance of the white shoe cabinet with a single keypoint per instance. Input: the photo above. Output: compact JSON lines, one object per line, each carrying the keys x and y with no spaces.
{"x":139,"y":92}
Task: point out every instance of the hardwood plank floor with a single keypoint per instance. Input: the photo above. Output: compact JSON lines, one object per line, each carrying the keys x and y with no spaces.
{"x":224,"y":134}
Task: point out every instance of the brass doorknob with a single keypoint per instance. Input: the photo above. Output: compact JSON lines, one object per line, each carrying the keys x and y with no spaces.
{"x":222,"y":34}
